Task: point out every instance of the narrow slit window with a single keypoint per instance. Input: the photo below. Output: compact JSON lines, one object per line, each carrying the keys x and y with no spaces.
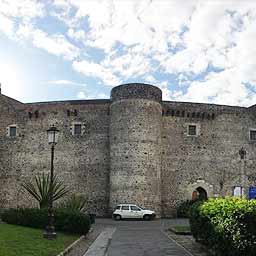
{"x":13,"y":131}
{"x":253,"y":135}
{"x":192,"y":130}
{"x":77,"y":129}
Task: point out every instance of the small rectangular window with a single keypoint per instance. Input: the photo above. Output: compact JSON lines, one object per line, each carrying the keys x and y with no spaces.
{"x":12,"y":131}
{"x":125,"y":207}
{"x":253,"y":135}
{"x":192,"y":130}
{"x":118,"y":207}
{"x":77,"y":129}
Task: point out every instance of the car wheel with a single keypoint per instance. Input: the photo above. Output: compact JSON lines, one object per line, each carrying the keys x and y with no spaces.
{"x":146,"y":217}
{"x":117,"y":217}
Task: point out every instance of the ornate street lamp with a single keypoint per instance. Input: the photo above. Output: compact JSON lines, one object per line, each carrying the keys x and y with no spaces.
{"x":242,"y":153}
{"x":50,"y":233}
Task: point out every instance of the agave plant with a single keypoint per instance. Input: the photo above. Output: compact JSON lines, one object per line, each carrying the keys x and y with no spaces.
{"x":40,"y":189}
{"x":75,"y":203}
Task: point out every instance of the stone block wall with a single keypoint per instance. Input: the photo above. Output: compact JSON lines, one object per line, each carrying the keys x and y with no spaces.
{"x":210,"y":160}
{"x":135,"y":146}
{"x":81,"y":161}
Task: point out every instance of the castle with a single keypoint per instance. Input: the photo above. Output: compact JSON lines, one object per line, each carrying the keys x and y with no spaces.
{"x":131,"y":148}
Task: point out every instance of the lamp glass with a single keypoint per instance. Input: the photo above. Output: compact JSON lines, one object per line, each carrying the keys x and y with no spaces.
{"x":53,"y":134}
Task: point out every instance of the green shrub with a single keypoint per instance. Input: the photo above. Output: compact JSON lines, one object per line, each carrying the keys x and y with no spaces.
{"x":25,"y":217}
{"x":72,"y":221}
{"x":1,"y":210}
{"x":183,"y":209}
{"x":225,"y":225}
{"x":75,"y":203}
{"x":92,"y":217}
{"x":65,"y":220}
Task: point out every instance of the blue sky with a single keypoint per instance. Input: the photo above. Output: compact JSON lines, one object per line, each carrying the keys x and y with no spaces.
{"x":199,"y":51}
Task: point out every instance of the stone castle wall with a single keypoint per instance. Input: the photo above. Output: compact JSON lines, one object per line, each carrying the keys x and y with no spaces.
{"x":210,"y":160}
{"x":81,"y":161}
{"x":133,"y":148}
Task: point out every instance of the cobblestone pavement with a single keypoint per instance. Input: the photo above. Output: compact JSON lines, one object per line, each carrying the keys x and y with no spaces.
{"x":189,"y":243}
{"x":186,"y":241}
{"x":81,"y":248}
{"x":140,"y":238}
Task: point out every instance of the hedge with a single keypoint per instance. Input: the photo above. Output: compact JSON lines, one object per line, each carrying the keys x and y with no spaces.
{"x":183,"y":209}
{"x":226,"y":225}
{"x":65,"y":220}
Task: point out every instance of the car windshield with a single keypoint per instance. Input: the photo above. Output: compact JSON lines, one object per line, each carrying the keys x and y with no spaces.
{"x":142,"y":208}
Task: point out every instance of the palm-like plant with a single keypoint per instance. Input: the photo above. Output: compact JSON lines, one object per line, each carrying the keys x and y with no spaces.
{"x":75,"y":203}
{"x":40,"y":190}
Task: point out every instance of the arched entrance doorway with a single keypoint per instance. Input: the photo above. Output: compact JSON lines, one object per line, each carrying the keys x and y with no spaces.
{"x":199,"y":194}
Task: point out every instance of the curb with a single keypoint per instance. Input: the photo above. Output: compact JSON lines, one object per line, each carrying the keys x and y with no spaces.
{"x":183,"y":233}
{"x":69,"y":248}
{"x":100,"y":246}
{"x":180,"y":245}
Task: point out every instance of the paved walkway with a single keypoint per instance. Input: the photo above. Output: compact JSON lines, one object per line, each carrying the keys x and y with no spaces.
{"x":100,"y":245}
{"x":139,"y":238}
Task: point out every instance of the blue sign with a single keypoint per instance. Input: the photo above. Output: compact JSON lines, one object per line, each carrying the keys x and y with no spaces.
{"x":252,"y":192}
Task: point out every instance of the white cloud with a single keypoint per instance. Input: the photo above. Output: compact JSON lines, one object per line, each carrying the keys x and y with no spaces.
{"x":95,"y":70}
{"x":150,"y":79}
{"x":56,"y":44}
{"x":221,"y":35}
{"x":17,"y":20}
{"x":166,"y":92}
{"x":62,"y":10}
{"x":221,"y":88}
{"x":129,"y":65}
{"x":78,"y":35}
{"x":6,"y":25}
{"x":26,"y":9}
{"x":208,"y":47}
{"x":82,"y":95}
{"x":65,"y":82}
{"x":89,"y":94}
{"x":145,"y":22}
{"x":188,"y":60}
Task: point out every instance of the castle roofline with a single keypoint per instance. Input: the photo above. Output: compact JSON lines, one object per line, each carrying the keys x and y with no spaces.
{"x":121,"y":91}
{"x":102,"y":101}
{"x":105,"y":101}
{"x":71,"y":102}
{"x":204,"y":104}
{"x":11,"y":99}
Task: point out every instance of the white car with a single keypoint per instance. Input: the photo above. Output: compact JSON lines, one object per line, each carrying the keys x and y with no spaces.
{"x":132,"y":211}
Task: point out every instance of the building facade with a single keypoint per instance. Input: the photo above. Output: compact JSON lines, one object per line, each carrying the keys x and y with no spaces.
{"x":132,"y":148}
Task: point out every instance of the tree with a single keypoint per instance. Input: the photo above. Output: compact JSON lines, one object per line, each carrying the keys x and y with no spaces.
{"x":40,"y":189}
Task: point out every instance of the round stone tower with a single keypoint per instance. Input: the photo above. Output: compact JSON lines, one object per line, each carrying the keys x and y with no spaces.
{"x":135,"y":145}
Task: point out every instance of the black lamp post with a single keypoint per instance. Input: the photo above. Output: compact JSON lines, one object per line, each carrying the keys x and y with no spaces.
{"x":50,"y":230}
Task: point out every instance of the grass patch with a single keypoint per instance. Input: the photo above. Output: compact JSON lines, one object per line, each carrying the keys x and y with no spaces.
{"x":181,"y":228}
{"x":24,"y":241}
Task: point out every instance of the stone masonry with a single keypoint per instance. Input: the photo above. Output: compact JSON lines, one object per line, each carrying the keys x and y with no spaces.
{"x":132,"y":148}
